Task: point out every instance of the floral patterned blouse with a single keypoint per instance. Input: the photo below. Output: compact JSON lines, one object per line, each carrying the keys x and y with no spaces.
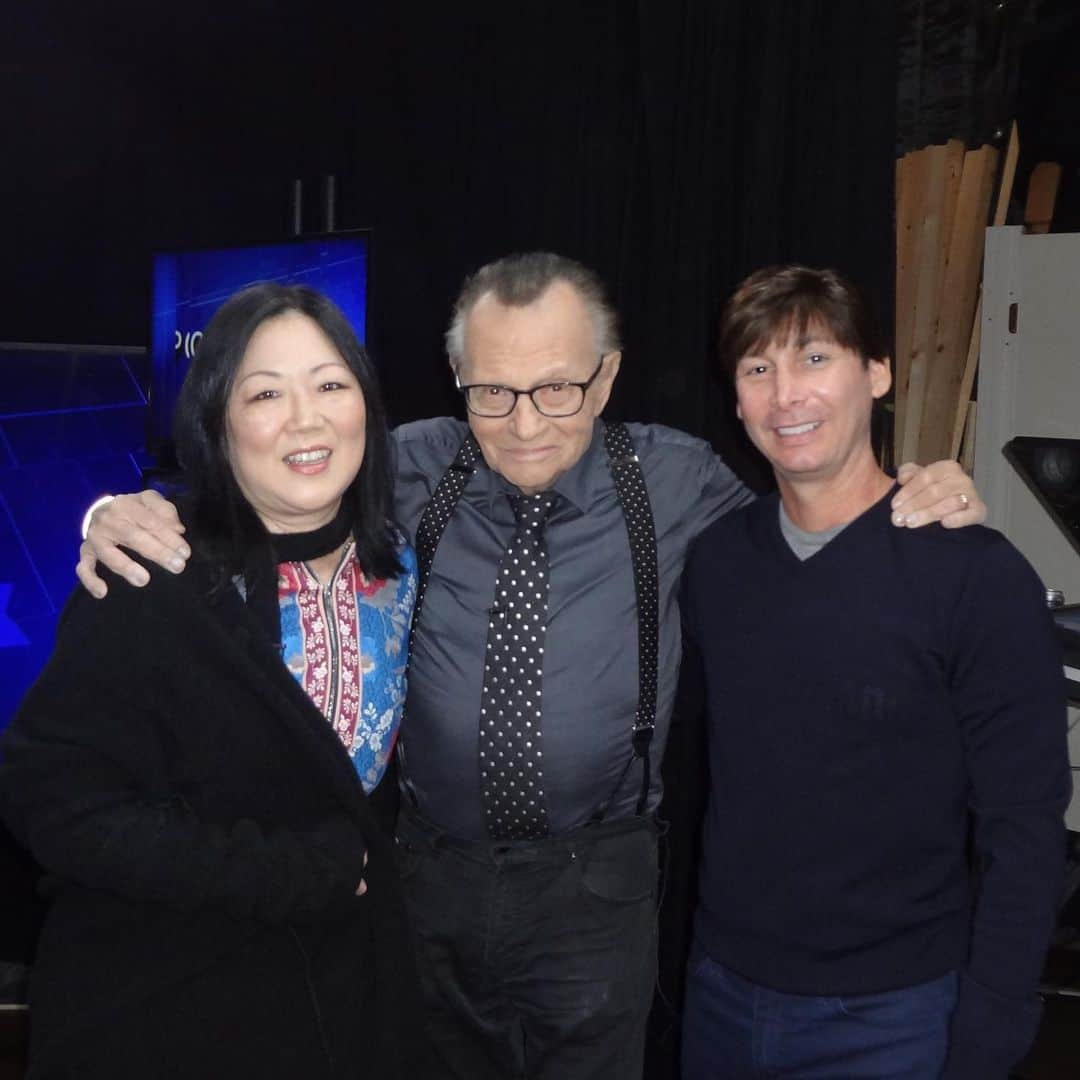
{"x":346,"y":644}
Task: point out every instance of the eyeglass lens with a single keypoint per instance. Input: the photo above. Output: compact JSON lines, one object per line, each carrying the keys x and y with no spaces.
{"x":554,"y":399}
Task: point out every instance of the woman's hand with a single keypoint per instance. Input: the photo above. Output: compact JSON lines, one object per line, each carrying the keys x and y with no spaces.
{"x":146,"y":523}
{"x":939,"y":492}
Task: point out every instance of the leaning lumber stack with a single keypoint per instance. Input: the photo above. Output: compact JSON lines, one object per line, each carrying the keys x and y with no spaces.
{"x":943,"y":196}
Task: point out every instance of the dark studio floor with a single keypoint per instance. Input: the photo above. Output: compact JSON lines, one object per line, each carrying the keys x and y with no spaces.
{"x":1055,"y":1055}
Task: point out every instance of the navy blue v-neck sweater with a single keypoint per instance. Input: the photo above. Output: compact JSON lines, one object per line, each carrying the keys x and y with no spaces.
{"x":866,"y":707}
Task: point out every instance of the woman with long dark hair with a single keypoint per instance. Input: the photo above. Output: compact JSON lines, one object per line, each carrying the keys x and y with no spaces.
{"x":202,"y":769}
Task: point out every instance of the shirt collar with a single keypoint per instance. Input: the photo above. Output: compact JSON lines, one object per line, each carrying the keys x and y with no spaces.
{"x":579,"y":485}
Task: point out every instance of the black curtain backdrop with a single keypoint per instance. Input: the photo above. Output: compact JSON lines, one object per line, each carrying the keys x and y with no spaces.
{"x":674,"y":146}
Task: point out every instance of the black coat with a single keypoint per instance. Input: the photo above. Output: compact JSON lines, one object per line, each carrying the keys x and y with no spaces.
{"x":203,"y":832}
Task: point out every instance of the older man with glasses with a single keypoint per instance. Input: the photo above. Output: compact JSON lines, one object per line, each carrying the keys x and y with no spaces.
{"x":544,"y":658}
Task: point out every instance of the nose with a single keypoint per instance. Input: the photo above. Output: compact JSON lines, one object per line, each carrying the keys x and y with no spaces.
{"x":304,"y":410}
{"x":526,"y":421}
{"x":788,"y":388}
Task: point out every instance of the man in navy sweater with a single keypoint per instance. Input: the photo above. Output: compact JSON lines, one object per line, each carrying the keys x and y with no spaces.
{"x":876,"y":697}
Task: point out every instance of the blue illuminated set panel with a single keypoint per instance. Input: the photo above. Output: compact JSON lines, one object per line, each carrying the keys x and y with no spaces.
{"x":76,"y":422}
{"x":72,"y":424}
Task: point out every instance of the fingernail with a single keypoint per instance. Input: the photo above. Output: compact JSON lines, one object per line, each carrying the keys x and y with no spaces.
{"x":98,"y":593}
{"x":898,"y":518}
{"x":176,"y":564}
{"x":139,"y":577}
{"x":184,"y":551}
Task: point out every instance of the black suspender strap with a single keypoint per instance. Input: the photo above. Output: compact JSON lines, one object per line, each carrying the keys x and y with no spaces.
{"x":633,"y":498}
{"x":437,"y":515}
{"x":429,"y":533}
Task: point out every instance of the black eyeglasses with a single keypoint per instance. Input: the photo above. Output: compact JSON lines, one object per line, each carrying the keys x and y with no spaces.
{"x":555,"y":399}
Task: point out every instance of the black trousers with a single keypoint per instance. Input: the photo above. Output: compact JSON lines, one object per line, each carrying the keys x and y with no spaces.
{"x":538,"y":957}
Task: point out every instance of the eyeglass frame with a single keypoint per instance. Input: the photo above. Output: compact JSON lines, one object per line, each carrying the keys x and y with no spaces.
{"x":582,"y":386}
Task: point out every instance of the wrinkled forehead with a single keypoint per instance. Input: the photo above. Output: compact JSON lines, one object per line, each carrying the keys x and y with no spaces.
{"x":553,"y":329}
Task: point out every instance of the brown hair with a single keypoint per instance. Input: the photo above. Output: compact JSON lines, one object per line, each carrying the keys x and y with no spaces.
{"x":774,"y":303}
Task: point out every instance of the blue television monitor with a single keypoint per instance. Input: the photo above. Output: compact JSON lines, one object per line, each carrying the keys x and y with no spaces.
{"x":189,"y":286}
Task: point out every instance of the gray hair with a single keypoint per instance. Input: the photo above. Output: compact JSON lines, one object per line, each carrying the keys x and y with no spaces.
{"x":520,"y":280}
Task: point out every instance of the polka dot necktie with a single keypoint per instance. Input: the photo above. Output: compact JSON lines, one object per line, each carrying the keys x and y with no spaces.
{"x":511,"y":740}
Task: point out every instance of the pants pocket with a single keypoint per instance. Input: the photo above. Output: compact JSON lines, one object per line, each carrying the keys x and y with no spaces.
{"x":621,"y":869}
{"x":928,"y":1001}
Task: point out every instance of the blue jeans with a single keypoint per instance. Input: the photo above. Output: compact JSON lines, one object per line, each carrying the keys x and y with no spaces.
{"x":734,"y":1029}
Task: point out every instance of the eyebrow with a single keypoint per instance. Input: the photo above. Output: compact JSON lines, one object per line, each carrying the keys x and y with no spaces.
{"x":801,"y":342}
{"x":549,"y":378}
{"x":311,"y":371}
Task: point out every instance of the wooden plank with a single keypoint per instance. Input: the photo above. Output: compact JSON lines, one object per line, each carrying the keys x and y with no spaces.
{"x":908,"y":247}
{"x":954,"y":171}
{"x":1001,"y":211}
{"x":967,"y":453}
{"x":967,"y":381}
{"x":898,"y":190}
{"x":1008,"y":175}
{"x":1041,"y":196}
{"x":937,"y":214}
{"x":960,"y":289}
{"x":912,"y":168}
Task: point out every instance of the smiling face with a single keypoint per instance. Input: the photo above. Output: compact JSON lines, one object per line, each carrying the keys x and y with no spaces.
{"x":294,"y":424}
{"x":806,"y":405}
{"x":550,"y":340}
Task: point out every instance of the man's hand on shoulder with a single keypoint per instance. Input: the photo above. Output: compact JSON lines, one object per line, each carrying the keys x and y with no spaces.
{"x":939,"y":492}
{"x":146,"y":523}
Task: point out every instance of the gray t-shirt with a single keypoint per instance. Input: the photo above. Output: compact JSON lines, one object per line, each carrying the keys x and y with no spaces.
{"x":804,"y":543}
{"x":590,"y":687}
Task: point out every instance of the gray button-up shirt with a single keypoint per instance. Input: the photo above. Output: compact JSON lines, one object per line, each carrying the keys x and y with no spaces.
{"x":590,"y":656}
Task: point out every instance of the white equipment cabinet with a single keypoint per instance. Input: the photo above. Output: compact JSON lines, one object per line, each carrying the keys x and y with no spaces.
{"x":1029,"y":384}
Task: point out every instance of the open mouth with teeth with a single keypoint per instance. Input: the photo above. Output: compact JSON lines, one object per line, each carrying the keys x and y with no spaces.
{"x":798,"y":429}
{"x":307,"y":457}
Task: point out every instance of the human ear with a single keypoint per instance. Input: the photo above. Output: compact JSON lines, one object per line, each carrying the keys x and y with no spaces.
{"x":606,"y":380}
{"x":880,"y":376}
